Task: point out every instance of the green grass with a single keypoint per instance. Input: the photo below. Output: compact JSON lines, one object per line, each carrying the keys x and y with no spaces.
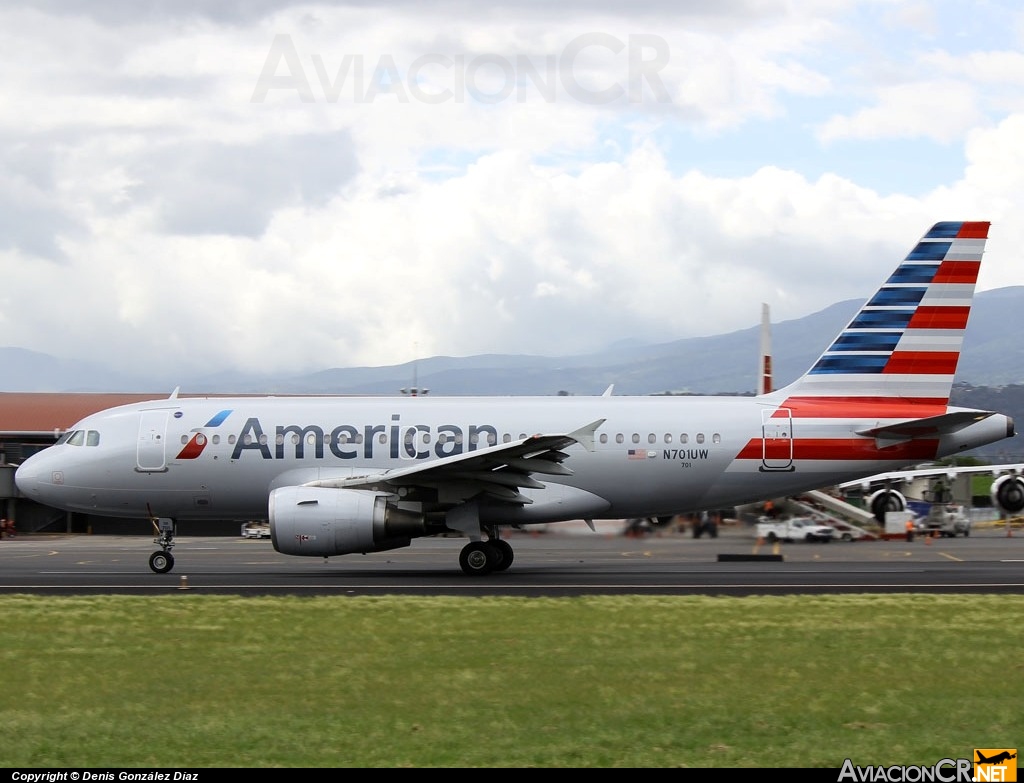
{"x":209,"y":681}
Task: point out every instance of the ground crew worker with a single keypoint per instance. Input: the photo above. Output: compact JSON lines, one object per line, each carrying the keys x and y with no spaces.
{"x":910,"y":530}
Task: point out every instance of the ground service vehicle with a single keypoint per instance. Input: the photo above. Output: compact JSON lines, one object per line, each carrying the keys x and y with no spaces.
{"x":795,"y":529}
{"x":947,"y":520}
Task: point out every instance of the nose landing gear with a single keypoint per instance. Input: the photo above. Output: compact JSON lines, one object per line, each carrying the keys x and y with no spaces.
{"x":163,"y":561}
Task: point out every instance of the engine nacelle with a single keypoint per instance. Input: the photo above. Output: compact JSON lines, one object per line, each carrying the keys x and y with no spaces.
{"x":1008,"y":494}
{"x":885,"y":500}
{"x":322,"y":522}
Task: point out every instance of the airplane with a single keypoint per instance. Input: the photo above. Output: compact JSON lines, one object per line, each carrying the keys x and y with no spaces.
{"x":346,"y":475}
{"x":996,"y":759}
{"x":883,"y":494}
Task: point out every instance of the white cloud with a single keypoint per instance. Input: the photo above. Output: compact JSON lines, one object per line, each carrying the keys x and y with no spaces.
{"x":168,"y":220}
{"x":942,"y":111}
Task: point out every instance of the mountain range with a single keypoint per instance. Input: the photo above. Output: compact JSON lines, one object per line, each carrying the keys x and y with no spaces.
{"x":993,"y":356}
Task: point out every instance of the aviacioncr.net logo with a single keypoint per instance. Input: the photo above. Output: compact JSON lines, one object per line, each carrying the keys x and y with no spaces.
{"x":943,"y":771}
{"x":995,"y":764}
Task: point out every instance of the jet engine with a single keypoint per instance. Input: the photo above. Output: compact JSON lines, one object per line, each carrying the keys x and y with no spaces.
{"x":323,"y":522}
{"x":1008,"y":494}
{"x":885,"y":500}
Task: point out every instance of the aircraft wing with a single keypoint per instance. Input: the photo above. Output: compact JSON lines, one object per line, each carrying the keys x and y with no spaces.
{"x":947,"y":471}
{"x":499,"y":471}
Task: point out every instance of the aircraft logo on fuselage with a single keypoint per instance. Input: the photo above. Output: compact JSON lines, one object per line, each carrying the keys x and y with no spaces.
{"x":195,"y":445}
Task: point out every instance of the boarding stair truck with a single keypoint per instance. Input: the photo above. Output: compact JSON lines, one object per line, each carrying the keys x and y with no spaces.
{"x":851,"y":523}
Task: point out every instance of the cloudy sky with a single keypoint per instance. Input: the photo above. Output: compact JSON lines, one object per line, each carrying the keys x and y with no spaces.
{"x":282,"y":186}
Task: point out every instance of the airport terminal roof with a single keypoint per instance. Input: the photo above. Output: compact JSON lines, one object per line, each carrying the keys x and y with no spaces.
{"x":51,"y":413}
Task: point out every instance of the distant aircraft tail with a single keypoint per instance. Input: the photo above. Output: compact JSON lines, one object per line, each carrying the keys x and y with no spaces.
{"x":901,"y":349}
{"x":764,"y":370}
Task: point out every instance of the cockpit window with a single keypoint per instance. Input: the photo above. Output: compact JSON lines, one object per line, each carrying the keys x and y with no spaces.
{"x":79,"y":438}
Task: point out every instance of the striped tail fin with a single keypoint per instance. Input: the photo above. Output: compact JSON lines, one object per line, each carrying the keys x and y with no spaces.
{"x":901,"y":349}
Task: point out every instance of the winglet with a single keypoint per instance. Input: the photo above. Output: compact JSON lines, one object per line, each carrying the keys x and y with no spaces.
{"x":174,"y":394}
{"x":608,"y":391}
{"x":590,"y":524}
{"x":585,"y":435}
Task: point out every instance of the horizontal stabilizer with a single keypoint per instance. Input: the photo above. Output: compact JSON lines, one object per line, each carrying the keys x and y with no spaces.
{"x":930,"y":427}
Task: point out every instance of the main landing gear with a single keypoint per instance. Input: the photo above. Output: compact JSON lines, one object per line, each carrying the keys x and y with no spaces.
{"x":163,"y":561}
{"x":479,"y":558}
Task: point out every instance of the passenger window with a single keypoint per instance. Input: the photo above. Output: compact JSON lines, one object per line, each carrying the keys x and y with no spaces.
{"x":668,"y":437}
{"x":684,"y":438}
{"x":636,"y":437}
{"x":716,"y":438}
{"x":700,"y":437}
{"x":652,"y":438}
{"x":619,"y":438}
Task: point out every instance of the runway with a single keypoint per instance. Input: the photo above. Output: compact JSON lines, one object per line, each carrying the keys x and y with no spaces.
{"x":546,"y":564}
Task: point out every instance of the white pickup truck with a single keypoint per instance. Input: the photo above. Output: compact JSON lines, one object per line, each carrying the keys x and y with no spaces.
{"x":795,"y":529}
{"x":256,"y":530}
{"x":946,"y":520}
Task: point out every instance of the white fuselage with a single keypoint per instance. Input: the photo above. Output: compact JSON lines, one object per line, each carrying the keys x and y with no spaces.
{"x":219,"y":458}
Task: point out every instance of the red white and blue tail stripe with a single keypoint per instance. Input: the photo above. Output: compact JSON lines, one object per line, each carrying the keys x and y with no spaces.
{"x":903,"y":346}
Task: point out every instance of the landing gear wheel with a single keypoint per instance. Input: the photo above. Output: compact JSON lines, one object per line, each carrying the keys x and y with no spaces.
{"x":505,"y":552}
{"x":479,"y":558}
{"x":161,"y":562}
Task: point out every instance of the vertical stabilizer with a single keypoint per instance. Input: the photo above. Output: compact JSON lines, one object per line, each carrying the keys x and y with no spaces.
{"x":903,"y":346}
{"x":764,"y":371}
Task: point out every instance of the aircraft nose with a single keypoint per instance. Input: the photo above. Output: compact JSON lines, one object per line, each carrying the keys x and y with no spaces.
{"x":33,"y":477}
